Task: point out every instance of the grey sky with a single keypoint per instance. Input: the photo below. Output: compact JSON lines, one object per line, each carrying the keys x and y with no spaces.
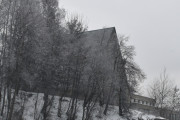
{"x":153,"y":27}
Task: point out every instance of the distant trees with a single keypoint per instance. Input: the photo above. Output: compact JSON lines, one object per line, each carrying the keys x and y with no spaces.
{"x":167,"y":95}
{"x":161,"y":89}
{"x":174,"y":100}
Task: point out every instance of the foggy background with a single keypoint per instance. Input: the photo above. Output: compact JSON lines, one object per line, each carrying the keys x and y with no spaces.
{"x":152,"y":25}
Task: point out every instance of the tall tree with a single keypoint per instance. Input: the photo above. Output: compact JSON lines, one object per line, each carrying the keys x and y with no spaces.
{"x":134,"y":73}
{"x":23,"y":36}
{"x":77,"y":61}
{"x":130,"y":75}
{"x":50,"y":68}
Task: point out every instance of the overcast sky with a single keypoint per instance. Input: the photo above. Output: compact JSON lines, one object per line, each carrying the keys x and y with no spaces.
{"x":152,"y":25}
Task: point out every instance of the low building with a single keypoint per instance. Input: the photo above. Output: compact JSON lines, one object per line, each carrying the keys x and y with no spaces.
{"x":144,"y":104}
{"x":148,"y":105}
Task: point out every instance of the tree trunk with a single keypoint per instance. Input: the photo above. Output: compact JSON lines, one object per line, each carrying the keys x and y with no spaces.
{"x":9,"y":100}
{"x":44,"y":109}
{"x":107,"y":105}
{"x":109,"y":98}
{"x":13,"y":100}
{"x":4,"y":95}
{"x":120,"y":102}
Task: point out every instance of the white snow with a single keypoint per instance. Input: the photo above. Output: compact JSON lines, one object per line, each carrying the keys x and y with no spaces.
{"x":32,"y":113}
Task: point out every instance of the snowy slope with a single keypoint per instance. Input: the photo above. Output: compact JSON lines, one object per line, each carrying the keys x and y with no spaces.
{"x":32,"y":113}
{"x":29,"y":111}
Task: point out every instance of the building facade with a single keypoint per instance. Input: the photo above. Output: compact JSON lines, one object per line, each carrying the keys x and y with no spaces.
{"x":148,"y":105}
{"x":144,"y":104}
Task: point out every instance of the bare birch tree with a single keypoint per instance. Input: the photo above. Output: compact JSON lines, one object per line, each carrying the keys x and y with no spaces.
{"x":161,"y":89}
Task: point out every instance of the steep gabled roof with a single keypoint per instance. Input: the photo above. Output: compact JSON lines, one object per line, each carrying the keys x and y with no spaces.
{"x":104,"y":46}
{"x":99,"y":37}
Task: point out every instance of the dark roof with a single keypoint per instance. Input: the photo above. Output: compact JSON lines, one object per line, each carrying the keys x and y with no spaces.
{"x":101,"y":36}
{"x":104,"y":43}
{"x":100,"y":39}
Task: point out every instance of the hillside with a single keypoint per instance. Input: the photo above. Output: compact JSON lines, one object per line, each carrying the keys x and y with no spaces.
{"x":30,"y":112}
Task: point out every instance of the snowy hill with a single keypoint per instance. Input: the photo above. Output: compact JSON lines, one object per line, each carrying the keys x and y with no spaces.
{"x":30,"y":112}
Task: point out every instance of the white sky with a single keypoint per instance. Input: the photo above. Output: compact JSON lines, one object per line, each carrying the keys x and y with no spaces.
{"x":152,"y":25}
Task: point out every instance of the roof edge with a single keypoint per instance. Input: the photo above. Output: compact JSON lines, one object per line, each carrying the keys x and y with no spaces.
{"x":101,"y":29}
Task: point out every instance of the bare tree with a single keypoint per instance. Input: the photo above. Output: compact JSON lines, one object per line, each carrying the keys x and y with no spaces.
{"x":161,"y":89}
{"x":93,"y":89}
{"x":51,"y":59}
{"x":77,"y":62}
{"x":130,"y":74}
{"x":23,"y":30}
{"x":134,"y":73}
{"x":174,"y":99}
{"x":14,"y":33}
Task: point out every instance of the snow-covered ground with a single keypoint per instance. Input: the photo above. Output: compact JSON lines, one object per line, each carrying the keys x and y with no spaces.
{"x":32,"y":113}
{"x":137,"y":114}
{"x":29,"y":113}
